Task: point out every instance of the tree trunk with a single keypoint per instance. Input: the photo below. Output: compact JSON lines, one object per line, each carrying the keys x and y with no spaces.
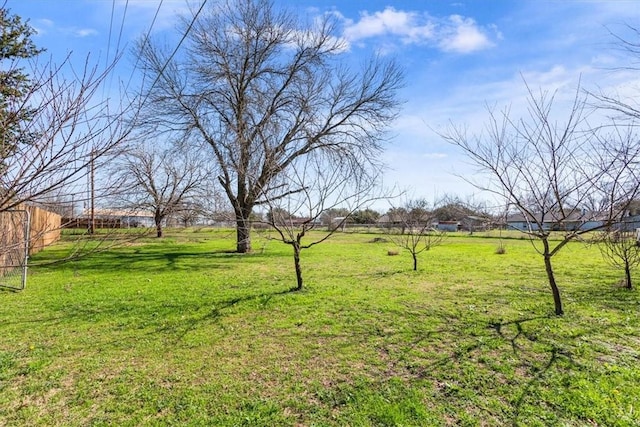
{"x":627,"y":272}
{"x":554,"y":287}
{"x":415,"y":261}
{"x":243,"y":234}
{"x":296,"y":261}
{"x":158,"y":221}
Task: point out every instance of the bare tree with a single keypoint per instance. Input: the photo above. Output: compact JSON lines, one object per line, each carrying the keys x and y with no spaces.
{"x":161,"y":181}
{"x":212,"y":205}
{"x":620,"y":248}
{"x":566,"y":178}
{"x":191,"y":212}
{"x":53,"y":127}
{"x":58,"y":202}
{"x":311,"y":190}
{"x":264,"y":89}
{"x":416,"y":232}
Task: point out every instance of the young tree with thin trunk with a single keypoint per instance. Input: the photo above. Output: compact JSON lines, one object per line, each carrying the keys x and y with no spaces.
{"x":621,"y":249}
{"x":416,"y":231}
{"x":564,"y":179}
{"x":312,"y":189}
{"x":264,"y":89}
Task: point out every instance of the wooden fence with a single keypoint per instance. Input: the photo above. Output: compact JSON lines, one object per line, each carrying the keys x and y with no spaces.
{"x":43,"y":231}
{"x":45,"y":228}
{"x":12,"y":248}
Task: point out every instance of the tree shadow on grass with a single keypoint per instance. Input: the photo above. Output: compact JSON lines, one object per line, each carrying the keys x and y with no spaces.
{"x":157,"y":261}
{"x":498,"y":327}
{"x":611,"y":296}
{"x":457,"y":346}
{"x":126,"y":324}
{"x":571,"y":348}
{"x":555,"y":354}
{"x":181,"y":329}
{"x":10,"y":289}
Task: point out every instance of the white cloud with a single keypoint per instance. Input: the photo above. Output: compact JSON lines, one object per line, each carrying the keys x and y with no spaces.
{"x":390,"y":21}
{"x":553,"y":49}
{"x":453,"y":34}
{"x":464,"y":36}
{"x":467,"y":104}
{"x":84,"y":32}
{"x":47,"y":26}
{"x":42,"y":26}
{"x":557,"y":77}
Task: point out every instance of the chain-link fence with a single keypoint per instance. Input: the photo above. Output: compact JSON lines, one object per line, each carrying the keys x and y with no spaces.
{"x":14,"y":248}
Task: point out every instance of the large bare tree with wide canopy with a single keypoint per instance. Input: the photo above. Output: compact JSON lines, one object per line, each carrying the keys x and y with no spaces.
{"x":263,"y":88}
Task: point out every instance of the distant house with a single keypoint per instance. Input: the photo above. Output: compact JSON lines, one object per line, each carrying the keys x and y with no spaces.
{"x":447,"y":225}
{"x":387,"y":221}
{"x":629,"y":223}
{"x":520,"y":223}
{"x":125,"y":218}
{"x":577,"y":220}
{"x":473,"y":223}
{"x":404,"y":221}
{"x":338,"y":222}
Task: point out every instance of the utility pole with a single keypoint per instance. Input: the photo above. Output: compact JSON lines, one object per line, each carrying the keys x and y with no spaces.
{"x":92,"y":215}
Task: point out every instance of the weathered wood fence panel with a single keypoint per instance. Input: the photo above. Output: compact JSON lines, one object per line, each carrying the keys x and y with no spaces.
{"x":45,"y":228}
{"x":13,"y":250}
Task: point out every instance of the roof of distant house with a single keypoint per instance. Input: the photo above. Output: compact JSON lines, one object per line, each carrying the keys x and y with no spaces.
{"x":118,"y":213}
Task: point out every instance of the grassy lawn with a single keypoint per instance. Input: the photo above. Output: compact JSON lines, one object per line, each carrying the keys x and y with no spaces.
{"x":181,"y":331}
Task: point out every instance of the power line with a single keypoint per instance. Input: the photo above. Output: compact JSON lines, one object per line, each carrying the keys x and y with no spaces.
{"x":124,"y":14}
{"x":113,"y":6}
{"x":117,"y":50}
{"x":144,"y":42}
{"x":175,"y":51}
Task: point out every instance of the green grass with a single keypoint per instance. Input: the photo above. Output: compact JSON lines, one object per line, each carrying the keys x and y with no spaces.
{"x":181,"y":331}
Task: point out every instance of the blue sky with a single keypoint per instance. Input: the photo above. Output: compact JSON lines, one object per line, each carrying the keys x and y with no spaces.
{"x":459,"y":56}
